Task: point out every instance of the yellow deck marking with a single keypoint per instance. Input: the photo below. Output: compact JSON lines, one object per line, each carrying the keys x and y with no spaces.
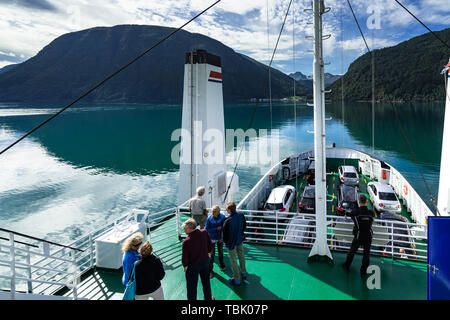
{"x":301,"y":184}
{"x":365,"y":181}
{"x":332,"y":208}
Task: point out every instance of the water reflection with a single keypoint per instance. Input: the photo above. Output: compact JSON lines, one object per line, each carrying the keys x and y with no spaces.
{"x":95,"y":163}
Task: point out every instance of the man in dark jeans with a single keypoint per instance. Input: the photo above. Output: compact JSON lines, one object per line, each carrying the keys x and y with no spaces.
{"x":362,"y":232}
{"x":196,"y":250}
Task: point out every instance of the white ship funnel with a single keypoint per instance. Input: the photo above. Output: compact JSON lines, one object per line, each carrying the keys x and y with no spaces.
{"x":444,"y":178}
{"x":202,"y":156}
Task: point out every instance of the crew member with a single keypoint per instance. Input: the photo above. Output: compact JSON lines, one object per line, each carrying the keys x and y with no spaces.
{"x":362,"y":232}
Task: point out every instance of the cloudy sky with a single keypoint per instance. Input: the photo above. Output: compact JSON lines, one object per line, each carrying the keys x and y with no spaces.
{"x":250,"y":27}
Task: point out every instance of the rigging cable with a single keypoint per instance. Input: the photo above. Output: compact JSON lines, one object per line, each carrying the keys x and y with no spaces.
{"x":256,"y":106}
{"x":432,"y":32}
{"x":373,"y":74}
{"x":295,"y":98}
{"x":342,"y":76}
{"x":433,"y":201}
{"x":357,"y":23}
{"x":270,"y":78}
{"x":107,"y":78}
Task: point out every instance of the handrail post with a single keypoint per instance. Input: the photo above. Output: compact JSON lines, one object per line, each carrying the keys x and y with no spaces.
{"x":12,"y":252}
{"x":392,"y":242}
{"x":74,"y":265}
{"x":28,"y":260}
{"x":177,"y":213}
{"x":91,"y":251}
{"x":276,"y":226}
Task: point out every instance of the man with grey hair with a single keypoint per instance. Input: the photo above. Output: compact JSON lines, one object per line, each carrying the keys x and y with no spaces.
{"x":214,"y":225}
{"x":196,"y":249}
{"x":197,"y":208}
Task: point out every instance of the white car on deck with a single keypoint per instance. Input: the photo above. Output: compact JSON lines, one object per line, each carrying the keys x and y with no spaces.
{"x":280,"y":200}
{"x":348,"y":175}
{"x":383,"y":197}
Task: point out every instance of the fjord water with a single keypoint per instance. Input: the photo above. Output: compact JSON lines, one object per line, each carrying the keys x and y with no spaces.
{"x":96,"y":162}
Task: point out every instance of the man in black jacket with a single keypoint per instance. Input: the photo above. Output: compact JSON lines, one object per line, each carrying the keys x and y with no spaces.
{"x":362,"y":232}
{"x":148,"y":274}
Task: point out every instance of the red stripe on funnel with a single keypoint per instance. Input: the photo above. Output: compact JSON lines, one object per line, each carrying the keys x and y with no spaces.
{"x":215,"y":75}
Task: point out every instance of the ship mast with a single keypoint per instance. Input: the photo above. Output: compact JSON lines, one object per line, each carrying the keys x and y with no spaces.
{"x":320,"y":247}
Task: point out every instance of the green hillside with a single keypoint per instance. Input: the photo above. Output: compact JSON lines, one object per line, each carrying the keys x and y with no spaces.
{"x":409,"y":71}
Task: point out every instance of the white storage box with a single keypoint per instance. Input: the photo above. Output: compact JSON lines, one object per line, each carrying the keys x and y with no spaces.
{"x":108,"y":248}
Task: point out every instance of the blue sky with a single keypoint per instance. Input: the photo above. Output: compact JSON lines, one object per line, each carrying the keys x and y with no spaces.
{"x":28,"y":25}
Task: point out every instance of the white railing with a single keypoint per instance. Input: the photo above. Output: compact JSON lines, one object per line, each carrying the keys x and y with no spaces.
{"x":370,"y":167}
{"x":21,"y":258}
{"x":40,"y":267}
{"x":390,"y":238}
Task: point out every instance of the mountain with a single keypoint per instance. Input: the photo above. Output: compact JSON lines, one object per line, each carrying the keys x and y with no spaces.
{"x":74,"y":62}
{"x":298,"y":76}
{"x":306,"y":82}
{"x":330,"y":78}
{"x":7,"y":68}
{"x":409,"y":71}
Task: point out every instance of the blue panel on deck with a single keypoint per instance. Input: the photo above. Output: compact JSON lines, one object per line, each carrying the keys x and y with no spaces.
{"x":439,"y":258}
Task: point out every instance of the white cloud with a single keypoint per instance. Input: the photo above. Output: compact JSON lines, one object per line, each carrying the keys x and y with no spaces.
{"x":239,"y":24}
{"x":5,"y":63}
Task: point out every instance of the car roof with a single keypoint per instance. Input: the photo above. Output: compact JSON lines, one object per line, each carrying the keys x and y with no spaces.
{"x":391,"y":216}
{"x":382,"y":187}
{"x":277,"y":194}
{"x":348,"y":192}
{"x":348,"y":169}
{"x":309,"y":189}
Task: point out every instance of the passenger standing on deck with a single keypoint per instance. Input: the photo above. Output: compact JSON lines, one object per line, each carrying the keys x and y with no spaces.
{"x":197,"y":207}
{"x":148,"y":274}
{"x":214,"y":225}
{"x":362,"y":232}
{"x":195,"y":254}
{"x":130,"y":249}
{"x":233,"y":237}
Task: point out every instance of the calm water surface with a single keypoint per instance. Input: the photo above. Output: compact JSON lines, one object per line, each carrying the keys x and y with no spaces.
{"x":95,"y":163}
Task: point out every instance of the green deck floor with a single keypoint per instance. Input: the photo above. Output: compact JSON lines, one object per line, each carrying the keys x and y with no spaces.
{"x":275,"y":272}
{"x":279,"y":272}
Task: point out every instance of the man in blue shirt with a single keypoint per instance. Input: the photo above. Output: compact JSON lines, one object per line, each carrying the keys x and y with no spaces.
{"x":214,"y":225}
{"x":233,"y":236}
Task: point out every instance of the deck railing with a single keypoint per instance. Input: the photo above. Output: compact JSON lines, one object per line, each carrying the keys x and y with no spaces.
{"x":394,"y":239}
{"x":34,"y":262}
{"x":370,"y":167}
{"x":40,"y":267}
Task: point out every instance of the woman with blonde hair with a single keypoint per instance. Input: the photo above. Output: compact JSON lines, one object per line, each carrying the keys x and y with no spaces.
{"x":130,"y":249}
{"x":148,"y":274}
